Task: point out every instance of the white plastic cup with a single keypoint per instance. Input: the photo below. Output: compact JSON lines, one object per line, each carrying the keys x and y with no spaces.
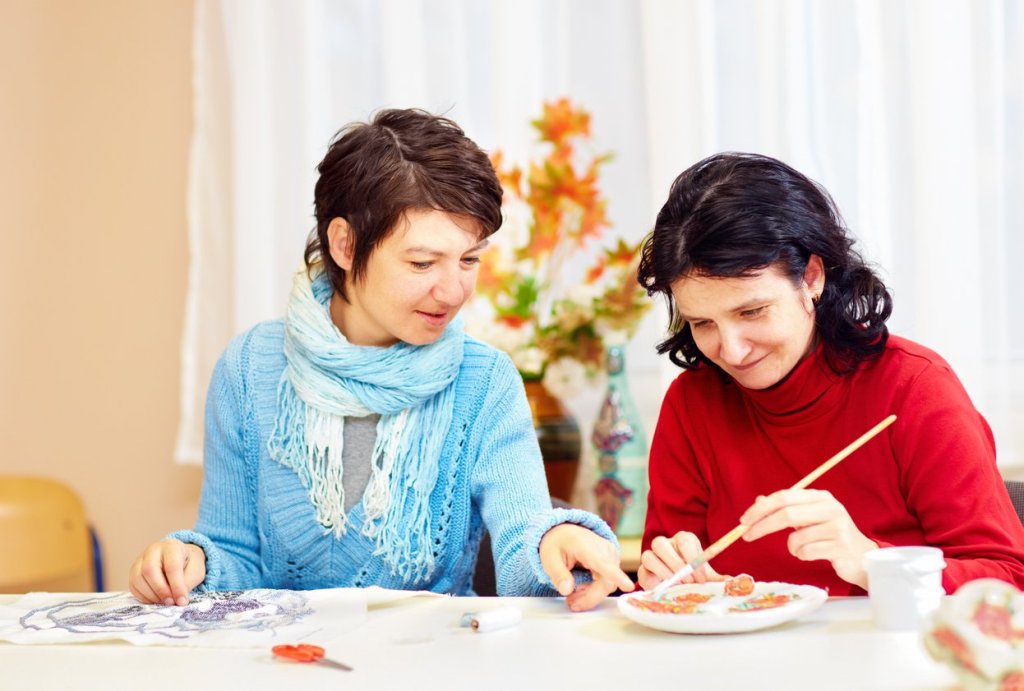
{"x":905,"y":585}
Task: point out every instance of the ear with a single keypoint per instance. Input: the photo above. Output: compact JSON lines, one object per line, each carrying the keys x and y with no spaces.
{"x":814,"y":278}
{"x":341,"y":242}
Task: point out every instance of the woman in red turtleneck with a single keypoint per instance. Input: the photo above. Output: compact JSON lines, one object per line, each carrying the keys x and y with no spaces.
{"x":780,"y":326}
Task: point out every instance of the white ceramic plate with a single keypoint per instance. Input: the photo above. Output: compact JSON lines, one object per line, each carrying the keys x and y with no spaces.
{"x":716,"y":615}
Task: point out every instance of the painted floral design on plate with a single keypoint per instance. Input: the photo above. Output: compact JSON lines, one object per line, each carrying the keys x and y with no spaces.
{"x":707,"y":608}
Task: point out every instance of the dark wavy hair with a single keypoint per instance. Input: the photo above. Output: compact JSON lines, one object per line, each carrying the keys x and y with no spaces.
{"x":401,"y":160}
{"x":734,"y":214}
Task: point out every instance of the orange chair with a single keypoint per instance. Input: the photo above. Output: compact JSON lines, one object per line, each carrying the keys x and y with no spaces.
{"x":46,"y":543}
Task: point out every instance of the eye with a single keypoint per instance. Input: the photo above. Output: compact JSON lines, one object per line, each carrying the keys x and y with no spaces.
{"x":471,"y":261}
{"x":752,"y":313}
{"x":421,"y":266}
{"x":700,"y":324}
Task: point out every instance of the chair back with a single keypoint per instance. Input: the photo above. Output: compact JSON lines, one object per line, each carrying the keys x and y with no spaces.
{"x":1015,"y":488}
{"x":45,"y":540}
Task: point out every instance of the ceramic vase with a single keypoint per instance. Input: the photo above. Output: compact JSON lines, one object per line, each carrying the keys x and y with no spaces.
{"x":621,"y":448}
{"x":558,"y":434}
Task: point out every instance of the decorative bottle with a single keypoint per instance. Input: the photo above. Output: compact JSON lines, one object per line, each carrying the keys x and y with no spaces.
{"x":621,"y":445}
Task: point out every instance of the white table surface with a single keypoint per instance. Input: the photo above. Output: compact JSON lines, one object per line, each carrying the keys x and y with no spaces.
{"x":417,"y":643}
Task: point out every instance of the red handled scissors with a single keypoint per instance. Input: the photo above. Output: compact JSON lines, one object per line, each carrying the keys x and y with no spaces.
{"x":304,"y":652}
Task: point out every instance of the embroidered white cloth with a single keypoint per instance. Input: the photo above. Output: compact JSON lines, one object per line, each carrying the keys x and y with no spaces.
{"x":244,"y":618}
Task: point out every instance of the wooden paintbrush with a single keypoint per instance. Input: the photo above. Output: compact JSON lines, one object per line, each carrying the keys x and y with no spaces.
{"x":721,"y":543}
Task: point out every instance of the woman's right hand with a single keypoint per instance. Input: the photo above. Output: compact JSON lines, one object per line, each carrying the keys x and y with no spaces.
{"x":167,"y":572}
{"x":668,"y":555}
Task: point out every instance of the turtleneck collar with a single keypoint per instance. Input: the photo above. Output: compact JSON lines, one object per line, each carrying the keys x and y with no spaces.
{"x":806,"y":392}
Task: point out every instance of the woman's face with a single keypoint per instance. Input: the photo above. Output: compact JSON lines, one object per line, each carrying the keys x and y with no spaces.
{"x":756,"y":328}
{"x":415,"y":282}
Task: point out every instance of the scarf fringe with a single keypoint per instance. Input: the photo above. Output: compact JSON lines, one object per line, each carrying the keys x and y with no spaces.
{"x":412,"y":556}
{"x":325,"y":434}
{"x":414,"y":393}
{"x":311,"y":443}
{"x":377,"y":496}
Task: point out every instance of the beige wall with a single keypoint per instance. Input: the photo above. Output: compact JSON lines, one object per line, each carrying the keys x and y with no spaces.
{"x":95,"y":113}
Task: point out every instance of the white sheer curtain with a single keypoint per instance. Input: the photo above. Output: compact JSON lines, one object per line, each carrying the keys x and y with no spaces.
{"x":907,"y":111}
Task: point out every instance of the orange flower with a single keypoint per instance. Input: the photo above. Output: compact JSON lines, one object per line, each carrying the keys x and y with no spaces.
{"x":596,"y":271}
{"x":511,"y":179}
{"x":545,"y":315}
{"x":561,"y":121}
{"x":513,"y":320}
{"x":622,"y":254}
{"x":489,"y":279}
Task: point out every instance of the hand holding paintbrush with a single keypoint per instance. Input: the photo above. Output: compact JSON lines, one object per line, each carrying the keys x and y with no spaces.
{"x":723,"y":542}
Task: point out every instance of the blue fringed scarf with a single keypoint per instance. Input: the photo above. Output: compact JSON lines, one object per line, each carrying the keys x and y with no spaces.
{"x":411,"y":387}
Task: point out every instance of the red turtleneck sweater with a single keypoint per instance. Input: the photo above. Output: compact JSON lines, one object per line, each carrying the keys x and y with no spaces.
{"x":929,"y":479}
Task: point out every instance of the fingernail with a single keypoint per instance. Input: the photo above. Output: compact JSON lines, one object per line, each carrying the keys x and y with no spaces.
{"x":168,"y":601}
{"x":567,"y":585}
{"x":182,"y":601}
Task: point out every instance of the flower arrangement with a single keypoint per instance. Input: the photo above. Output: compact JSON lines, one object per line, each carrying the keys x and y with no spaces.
{"x":551,"y":311}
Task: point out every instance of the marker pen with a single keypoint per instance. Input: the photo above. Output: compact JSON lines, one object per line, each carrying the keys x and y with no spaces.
{"x":494,"y":619}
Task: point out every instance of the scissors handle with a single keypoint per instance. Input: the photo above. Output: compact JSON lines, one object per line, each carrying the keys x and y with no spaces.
{"x":305,"y":652}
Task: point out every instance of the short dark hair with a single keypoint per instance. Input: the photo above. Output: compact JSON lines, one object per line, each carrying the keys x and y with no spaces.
{"x":402,"y":159}
{"x":734,"y":214}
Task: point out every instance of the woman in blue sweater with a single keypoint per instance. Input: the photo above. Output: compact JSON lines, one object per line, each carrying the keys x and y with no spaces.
{"x":366,"y":439}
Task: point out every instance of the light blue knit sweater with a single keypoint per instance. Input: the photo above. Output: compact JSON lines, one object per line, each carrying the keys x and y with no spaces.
{"x":256,"y":522}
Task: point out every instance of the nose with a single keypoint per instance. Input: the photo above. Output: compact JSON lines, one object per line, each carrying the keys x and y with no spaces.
{"x":451,"y":289}
{"x":733,"y":347}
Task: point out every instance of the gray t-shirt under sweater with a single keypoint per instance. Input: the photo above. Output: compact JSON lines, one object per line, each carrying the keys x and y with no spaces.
{"x":360,"y":433}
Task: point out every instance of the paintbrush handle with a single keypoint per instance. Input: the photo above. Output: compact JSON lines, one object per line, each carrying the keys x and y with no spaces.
{"x":719,"y":545}
{"x":853,"y":446}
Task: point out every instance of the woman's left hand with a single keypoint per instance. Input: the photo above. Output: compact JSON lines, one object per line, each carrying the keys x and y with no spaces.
{"x":822,"y":529}
{"x":567,"y":546}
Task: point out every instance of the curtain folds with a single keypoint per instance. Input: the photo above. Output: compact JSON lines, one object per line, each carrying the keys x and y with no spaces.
{"x":905,"y":110}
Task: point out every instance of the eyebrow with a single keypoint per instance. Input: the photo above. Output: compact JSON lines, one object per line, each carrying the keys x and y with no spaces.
{"x":436,"y":253}
{"x":756,"y":302}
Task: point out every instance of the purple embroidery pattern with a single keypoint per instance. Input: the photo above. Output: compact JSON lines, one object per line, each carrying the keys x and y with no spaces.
{"x":118,"y":613}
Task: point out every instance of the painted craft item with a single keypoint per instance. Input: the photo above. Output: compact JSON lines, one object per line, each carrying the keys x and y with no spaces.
{"x":740,"y":587}
{"x":621,"y":446}
{"x":733,"y":606}
{"x":979,"y":633}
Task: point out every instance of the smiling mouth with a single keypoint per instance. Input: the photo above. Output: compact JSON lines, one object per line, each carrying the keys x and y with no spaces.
{"x":744,"y":368}
{"x":433,"y":317}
